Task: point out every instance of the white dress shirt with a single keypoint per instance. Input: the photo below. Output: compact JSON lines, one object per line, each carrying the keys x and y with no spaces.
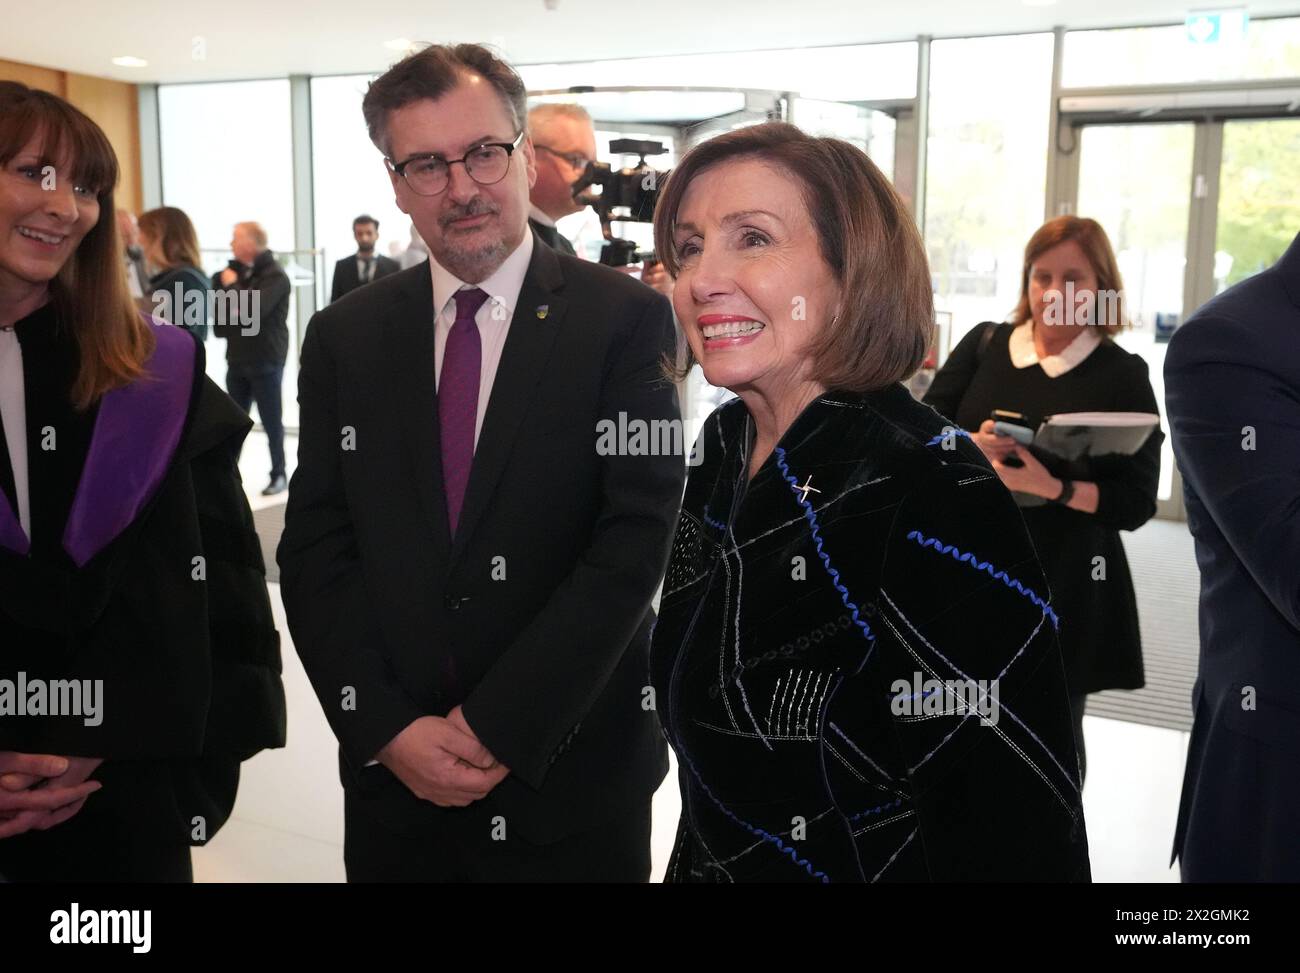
{"x":1024,"y":354}
{"x":493,"y":318}
{"x":366,"y":274}
{"x":13,"y":415}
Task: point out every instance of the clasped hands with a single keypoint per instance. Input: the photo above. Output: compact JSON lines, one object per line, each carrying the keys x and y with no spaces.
{"x":442,"y":761}
{"x":39,"y":791}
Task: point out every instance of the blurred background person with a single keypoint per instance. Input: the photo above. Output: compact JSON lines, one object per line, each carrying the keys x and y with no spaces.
{"x":565,"y":141}
{"x":256,"y":346}
{"x":179,"y":289}
{"x":365,"y":265}
{"x":128,"y":231}
{"x":98,"y":537}
{"x":1232,"y":381}
{"x":798,"y":594}
{"x":1039,"y":369}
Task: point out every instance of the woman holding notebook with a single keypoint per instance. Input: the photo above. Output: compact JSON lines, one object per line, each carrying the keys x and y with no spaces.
{"x":1057,"y":355}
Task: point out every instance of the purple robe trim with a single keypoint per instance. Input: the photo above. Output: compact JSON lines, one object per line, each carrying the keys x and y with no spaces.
{"x":11,"y":531}
{"x":135,"y":438}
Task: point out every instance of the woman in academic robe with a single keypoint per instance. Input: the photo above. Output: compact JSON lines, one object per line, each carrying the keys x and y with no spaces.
{"x":134,"y":616}
{"x":855,"y":658}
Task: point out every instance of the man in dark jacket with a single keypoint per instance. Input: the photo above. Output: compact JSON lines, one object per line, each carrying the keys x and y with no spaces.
{"x":1232,"y":377}
{"x":252,"y":311}
{"x":365,"y":265}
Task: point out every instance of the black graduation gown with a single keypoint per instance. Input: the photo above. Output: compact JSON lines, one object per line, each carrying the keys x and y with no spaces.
{"x":144,"y":572}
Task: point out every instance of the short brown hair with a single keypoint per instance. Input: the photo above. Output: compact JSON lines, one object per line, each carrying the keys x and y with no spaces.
{"x":1094,"y":243}
{"x":431,"y":73}
{"x":89,"y":292}
{"x":177,"y":242}
{"x":885,"y":321}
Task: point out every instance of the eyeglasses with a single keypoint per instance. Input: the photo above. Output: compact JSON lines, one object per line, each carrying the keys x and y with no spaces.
{"x":575,"y":159}
{"x":429,"y":173}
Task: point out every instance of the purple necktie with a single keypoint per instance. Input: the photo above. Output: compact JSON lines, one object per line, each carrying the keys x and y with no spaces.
{"x":462,"y":361}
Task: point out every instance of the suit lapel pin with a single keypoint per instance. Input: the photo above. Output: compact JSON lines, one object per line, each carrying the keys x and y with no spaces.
{"x":542,"y":309}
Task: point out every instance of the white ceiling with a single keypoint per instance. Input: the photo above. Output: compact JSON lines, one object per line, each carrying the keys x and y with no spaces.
{"x":271,"y":38}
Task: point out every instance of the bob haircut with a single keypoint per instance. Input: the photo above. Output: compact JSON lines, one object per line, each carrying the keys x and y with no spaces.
{"x":89,"y":292}
{"x":1109,"y":306}
{"x":885,"y":322}
{"x":177,"y":241}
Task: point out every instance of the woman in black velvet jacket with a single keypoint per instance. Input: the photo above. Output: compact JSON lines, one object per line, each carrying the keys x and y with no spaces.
{"x":855,"y":658}
{"x":128,"y":563}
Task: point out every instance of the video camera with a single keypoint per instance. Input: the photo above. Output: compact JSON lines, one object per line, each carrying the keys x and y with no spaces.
{"x":634,"y":190}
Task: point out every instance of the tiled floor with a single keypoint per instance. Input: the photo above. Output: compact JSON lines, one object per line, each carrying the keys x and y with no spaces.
{"x":287,"y":825}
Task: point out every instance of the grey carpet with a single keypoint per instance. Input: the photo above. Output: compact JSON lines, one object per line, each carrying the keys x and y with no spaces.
{"x":269,"y":522}
{"x":1164,"y":573}
{"x":1163,"y":562}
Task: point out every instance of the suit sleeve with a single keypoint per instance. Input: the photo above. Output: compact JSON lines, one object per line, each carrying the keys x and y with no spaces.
{"x":331,"y":616}
{"x":1235,"y":419}
{"x":547,"y":680}
{"x":952,"y":380}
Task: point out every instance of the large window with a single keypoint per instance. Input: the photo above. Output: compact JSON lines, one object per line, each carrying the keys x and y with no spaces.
{"x":1259,"y":197}
{"x":986,"y":172}
{"x":1206,"y":50}
{"x":227,"y":157}
{"x":348,"y":175}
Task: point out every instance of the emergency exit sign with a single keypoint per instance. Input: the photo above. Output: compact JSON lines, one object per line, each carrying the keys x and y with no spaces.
{"x":1227,"y":26}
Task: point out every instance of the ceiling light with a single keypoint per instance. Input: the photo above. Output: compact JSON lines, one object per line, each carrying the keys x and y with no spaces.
{"x":126,"y":61}
{"x":398,"y":44}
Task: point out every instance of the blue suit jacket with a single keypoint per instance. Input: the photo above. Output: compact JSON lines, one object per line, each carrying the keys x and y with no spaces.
{"x":1232,"y":377}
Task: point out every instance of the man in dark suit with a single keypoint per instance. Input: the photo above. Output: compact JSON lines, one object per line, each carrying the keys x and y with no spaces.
{"x":365,"y":265}
{"x":1232,"y":376}
{"x":565,"y":141}
{"x":477,"y":632}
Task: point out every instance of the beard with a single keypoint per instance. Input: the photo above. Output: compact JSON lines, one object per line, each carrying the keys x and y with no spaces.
{"x":470,"y":262}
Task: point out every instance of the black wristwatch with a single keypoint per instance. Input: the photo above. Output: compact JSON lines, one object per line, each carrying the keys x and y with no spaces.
{"x":1067,"y":491}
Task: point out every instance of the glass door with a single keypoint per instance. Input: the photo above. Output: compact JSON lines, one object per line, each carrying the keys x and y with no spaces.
{"x":1135,"y":181}
{"x":1259,"y":197}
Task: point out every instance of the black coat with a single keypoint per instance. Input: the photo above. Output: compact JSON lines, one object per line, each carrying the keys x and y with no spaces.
{"x":1232,"y":377}
{"x":346,"y":279}
{"x":263,"y":340}
{"x":785,"y":624}
{"x":550,"y":659}
{"x":187,"y":649}
{"x":1101,"y":642}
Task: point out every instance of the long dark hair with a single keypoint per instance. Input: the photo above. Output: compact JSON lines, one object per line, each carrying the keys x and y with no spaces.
{"x":89,"y":291}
